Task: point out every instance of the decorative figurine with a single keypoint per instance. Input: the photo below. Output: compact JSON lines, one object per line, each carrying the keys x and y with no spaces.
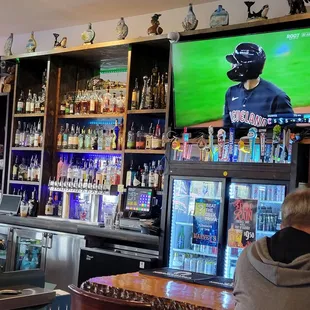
{"x":32,"y":44}
{"x":8,"y":46}
{"x":121,"y":29}
{"x":297,"y":6}
{"x":190,"y":21}
{"x":155,"y":29}
{"x":62,"y":43}
{"x":220,"y":17}
{"x":88,"y":35}
{"x":262,"y":14}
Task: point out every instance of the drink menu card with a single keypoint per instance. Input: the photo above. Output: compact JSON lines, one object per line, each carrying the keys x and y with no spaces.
{"x":205,"y":221}
{"x":242,"y":222}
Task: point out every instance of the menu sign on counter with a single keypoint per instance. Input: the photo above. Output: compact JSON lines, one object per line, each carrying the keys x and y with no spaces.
{"x":205,"y":221}
{"x":241,"y":222}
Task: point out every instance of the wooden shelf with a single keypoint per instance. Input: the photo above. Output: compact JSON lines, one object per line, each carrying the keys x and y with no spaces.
{"x":98,"y":116}
{"x":18,"y":148}
{"x":29,"y":115}
{"x":116,"y":152}
{"x":152,"y":111}
{"x":160,"y":152}
{"x":24,"y":182}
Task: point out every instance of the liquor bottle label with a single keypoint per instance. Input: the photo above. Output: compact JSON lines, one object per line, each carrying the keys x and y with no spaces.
{"x":17,"y":136}
{"x":92,"y":106}
{"x":136,"y":182}
{"x":148,"y":142}
{"x":140,"y":144}
{"x":20,"y":106}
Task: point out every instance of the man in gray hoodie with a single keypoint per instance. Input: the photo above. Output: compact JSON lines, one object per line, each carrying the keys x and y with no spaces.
{"x":274,"y":273}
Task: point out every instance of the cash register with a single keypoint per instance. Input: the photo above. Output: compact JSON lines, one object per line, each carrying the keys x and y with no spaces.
{"x":139,"y":205}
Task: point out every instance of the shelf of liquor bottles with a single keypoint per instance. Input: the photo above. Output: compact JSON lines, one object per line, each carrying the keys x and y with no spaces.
{"x":30,"y":149}
{"x":147,"y":111}
{"x":92,"y":116}
{"x":17,"y":182}
{"x":144,"y":151}
{"x":99,"y":152}
{"x":24,"y":115}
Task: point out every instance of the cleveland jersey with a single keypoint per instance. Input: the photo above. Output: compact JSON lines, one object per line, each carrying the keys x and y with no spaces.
{"x":249,"y":108}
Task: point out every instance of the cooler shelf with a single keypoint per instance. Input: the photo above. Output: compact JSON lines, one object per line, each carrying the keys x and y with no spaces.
{"x":188,"y":251}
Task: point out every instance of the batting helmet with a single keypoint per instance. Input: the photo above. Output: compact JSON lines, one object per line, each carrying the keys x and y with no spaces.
{"x":248,"y":62}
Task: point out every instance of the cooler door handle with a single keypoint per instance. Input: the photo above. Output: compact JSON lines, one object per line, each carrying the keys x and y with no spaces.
{"x":49,"y":241}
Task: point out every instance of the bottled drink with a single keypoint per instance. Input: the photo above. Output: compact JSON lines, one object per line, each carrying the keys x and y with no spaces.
{"x":162,"y":92}
{"x":164,"y":105}
{"x":101,"y":145}
{"x":60,"y":208}
{"x":71,"y":137}
{"x":135,"y":99}
{"x":151,"y":181}
{"x":42,"y":104}
{"x":108,"y":140}
{"x":29,"y":169}
{"x":62,"y":110}
{"x":37,"y":105}
{"x":137,"y":178}
{"x":59,"y":168}
{"x":113,"y":103}
{"x":157,"y":94}
{"x":49,"y":207}
{"x":15,"y":169}
{"x":150,"y":95}
{"x":148,"y":138}
{"x":35,"y":171}
{"x":17,"y":134}
{"x":65,"y":137}
{"x":115,"y":136}
{"x":40,"y":134}
{"x":181,"y":238}
{"x":22,"y":170}
{"x":130,"y":175}
{"x":78,"y":103}
{"x":27,"y":137}
{"x":76,"y":138}
{"x":144,"y":93}
{"x":20,"y":103}
{"x":32,"y":103}
{"x":36,"y":136}
{"x":32,"y":129}
{"x":92,"y":104}
{"x":120,"y":107}
{"x":120,"y":136}
{"x":145,"y":176}
{"x":71,"y":105}
{"x":140,"y":141}
{"x":28,"y":101}
{"x":131,"y":137}
{"x":81,"y":139}
{"x":22,"y":136}
{"x":60,"y":138}
{"x":33,"y":204}
{"x":87,"y":143}
{"x":156,"y":139}
{"x":67,"y":105}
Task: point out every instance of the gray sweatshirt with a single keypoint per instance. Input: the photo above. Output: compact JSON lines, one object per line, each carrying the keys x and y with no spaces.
{"x":264,"y":284}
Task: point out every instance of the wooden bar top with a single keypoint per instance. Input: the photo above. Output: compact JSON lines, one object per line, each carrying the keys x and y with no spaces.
{"x":200,"y":296}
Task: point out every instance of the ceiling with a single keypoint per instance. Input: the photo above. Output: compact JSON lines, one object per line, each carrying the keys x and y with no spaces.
{"x":24,"y":16}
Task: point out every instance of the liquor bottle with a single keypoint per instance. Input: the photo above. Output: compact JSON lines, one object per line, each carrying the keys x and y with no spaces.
{"x":99,"y":173}
{"x":140,"y":141}
{"x":120,"y":135}
{"x":40,"y":134}
{"x":156,"y":176}
{"x":33,"y":204}
{"x":108,"y":140}
{"x":87,"y":143}
{"x":135,"y":99}
{"x":130,"y":175}
{"x":28,"y":102}
{"x":71,"y":137}
{"x":150,"y":95}
{"x":137,"y":178}
{"x":145,"y":176}
{"x":113,"y":104}
{"x":162,"y":92}
{"x":36,"y":136}
{"x":94,"y":140}
{"x":35,"y":171}
{"x":106,"y":100}
{"x":144,"y":94}
{"x":62,"y":110}
{"x":55,"y":204}
{"x":22,"y":170}
{"x":70,"y":170}
{"x":71,"y":105}
{"x":49,"y":207}
{"x":15,"y":169}
{"x":131,"y":137}
{"x":32,"y":103}
{"x":27,"y":137}
{"x":59,"y":168}
{"x":76,"y":138}
{"x":120,"y":108}
{"x":17,"y":134}
{"x":148,"y":138}
{"x":156,"y":139}
{"x":157,"y":94}
{"x":81,"y":139}
{"x":65,"y":166}
{"x":78,"y":103}
{"x":42,"y":104}
{"x":60,"y":138}
{"x":37,"y":105}
{"x":115,"y":138}
{"x":20,"y":103}
{"x":67,"y":105}
{"x":29,"y":169}
{"x":93,"y":103}
{"x":101,"y":145}
{"x":60,"y":208}
{"x":181,"y":238}
{"x":151,"y":181}
{"x":32,"y":129}
{"x":65,"y":137}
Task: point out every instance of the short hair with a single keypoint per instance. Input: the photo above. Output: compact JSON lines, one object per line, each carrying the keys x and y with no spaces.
{"x":296,"y":208}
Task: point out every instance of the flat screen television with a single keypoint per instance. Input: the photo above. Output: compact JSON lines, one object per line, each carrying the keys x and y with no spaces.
{"x":242,"y":81}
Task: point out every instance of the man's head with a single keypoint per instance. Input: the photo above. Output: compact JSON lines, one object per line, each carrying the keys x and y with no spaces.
{"x":247,"y":61}
{"x":296,"y":210}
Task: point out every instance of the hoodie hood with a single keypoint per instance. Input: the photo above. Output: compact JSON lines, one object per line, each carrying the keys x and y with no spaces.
{"x":295,"y":273}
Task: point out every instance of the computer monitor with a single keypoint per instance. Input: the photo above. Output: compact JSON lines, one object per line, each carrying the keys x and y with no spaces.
{"x":9,"y":204}
{"x":139,"y":199}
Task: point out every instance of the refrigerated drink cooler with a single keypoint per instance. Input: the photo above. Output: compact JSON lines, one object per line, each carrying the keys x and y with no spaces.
{"x":189,"y":250}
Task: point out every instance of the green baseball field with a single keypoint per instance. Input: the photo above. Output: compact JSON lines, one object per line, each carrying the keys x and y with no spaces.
{"x":200,"y":73}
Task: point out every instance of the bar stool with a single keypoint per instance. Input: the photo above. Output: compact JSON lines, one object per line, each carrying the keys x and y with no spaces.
{"x":83,"y":300}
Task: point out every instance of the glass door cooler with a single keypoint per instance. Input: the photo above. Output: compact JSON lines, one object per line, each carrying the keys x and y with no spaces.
{"x":196,"y":223}
{"x":254,"y":211}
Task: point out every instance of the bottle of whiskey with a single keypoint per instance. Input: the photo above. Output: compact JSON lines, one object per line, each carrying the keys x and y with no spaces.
{"x":67,"y":105}
{"x":28,"y":101}
{"x":60,"y":138}
{"x":32,"y":103}
{"x":71,"y":137}
{"x":87,"y":143}
{"x":15,"y":169}
{"x":144,"y":93}
{"x":150,"y":94}
{"x":76,"y":138}
{"x":135,"y":99}
{"x":140,"y":141}
{"x":156,"y":139}
{"x":33,"y":204}
{"x":49,"y":207}
{"x":37,"y":105}
{"x":20,"y":104}
{"x":40,"y":134}
{"x":65,"y":137}
{"x":71,"y":105}
{"x":17,"y":134}
{"x":62,"y":110}
{"x":81,"y":139}
{"x":148,"y":138}
{"x":131,"y":137}
{"x":92,"y":103}
{"x":130,"y":175}
{"x":42,"y":104}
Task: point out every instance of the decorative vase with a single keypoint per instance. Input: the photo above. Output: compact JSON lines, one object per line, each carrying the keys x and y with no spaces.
{"x":32,"y":44}
{"x":155,"y":29}
{"x":121,"y":29}
{"x":8,"y":45}
{"x":220,"y":17}
{"x":190,"y":21}
{"x":88,"y":35}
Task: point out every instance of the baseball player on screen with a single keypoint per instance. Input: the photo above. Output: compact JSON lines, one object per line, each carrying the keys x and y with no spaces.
{"x":248,"y":103}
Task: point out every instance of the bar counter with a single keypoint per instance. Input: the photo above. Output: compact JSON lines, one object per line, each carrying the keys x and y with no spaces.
{"x":160,"y":292}
{"x":80,"y":229}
